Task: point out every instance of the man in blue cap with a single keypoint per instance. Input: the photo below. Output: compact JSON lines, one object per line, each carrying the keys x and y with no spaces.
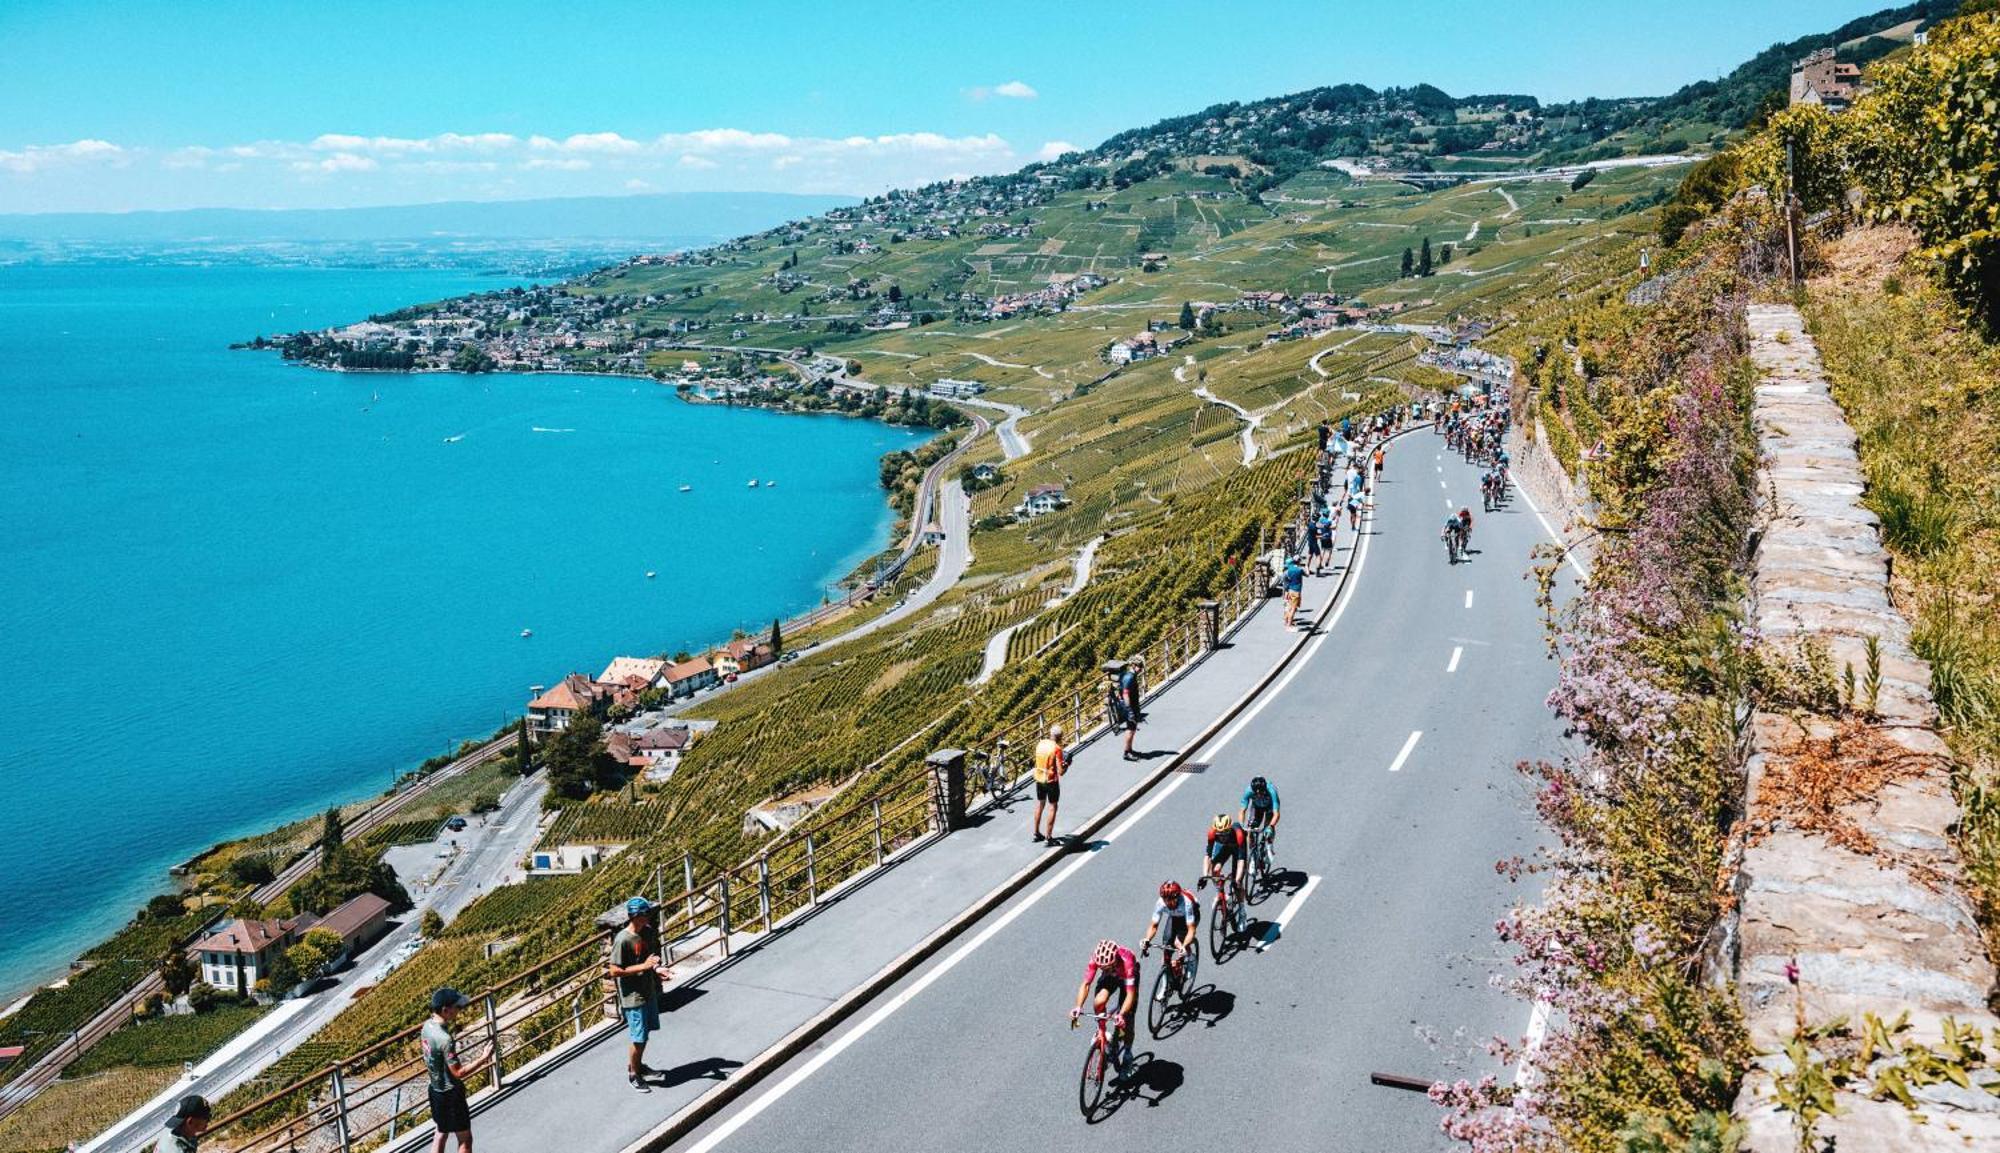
{"x":636,"y":967}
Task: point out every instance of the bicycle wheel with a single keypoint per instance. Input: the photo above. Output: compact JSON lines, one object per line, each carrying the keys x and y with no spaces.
{"x":1218,"y":930}
{"x":1156,"y":1005}
{"x":1090,"y":1090}
{"x":1190,"y":969}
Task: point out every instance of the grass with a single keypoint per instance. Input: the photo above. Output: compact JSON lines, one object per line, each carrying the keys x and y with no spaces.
{"x":78,"y":1109}
{"x":1922,"y":390}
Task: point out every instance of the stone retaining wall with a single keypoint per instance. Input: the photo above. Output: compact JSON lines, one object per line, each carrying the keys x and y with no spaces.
{"x":1870,"y":932}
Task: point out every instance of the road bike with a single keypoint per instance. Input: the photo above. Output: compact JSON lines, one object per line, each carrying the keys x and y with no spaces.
{"x":1171,"y":986}
{"x":1454,"y":544}
{"x":1227,"y":917}
{"x":1101,"y":1056}
{"x":991,"y":771}
{"x":1260,"y":857}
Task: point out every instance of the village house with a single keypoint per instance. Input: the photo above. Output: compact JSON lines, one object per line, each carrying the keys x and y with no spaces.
{"x":569,"y":860}
{"x":240,"y":953}
{"x":957,"y":389}
{"x":1823,"y":79}
{"x":650,"y":672}
{"x":741,"y":656}
{"x":690,"y":677}
{"x":553,"y":710}
{"x":1041,"y":500}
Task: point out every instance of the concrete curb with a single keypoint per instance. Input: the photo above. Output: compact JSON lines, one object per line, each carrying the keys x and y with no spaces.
{"x":746,"y":1077}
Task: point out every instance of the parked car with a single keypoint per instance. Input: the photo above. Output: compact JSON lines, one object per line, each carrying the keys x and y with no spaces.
{"x":456,"y":824}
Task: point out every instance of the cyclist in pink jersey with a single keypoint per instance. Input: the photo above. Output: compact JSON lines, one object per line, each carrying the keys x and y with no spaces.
{"x":1112,"y":969}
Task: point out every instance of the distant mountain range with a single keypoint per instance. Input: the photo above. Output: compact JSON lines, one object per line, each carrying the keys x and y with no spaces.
{"x":663,"y":219}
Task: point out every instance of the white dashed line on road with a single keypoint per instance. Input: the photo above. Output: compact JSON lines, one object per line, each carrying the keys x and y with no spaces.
{"x":1457,"y":651}
{"x":1277,"y":928}
{"x":1468,"y":598}
{"x":1396,"y":766}
{"x":1441,"y":484}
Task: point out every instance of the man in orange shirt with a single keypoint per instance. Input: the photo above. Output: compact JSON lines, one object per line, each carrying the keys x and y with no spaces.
{"x":1051,"y":761}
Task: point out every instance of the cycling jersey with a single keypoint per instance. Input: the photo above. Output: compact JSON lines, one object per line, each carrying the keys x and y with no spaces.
{"x":1176,"y":915}
{"x":1270,"y":804}
{"x":1122,"y":971}
{"x":1227,"y":845}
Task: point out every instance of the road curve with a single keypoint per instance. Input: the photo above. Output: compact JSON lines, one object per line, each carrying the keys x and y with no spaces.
{"x":1393,"y":744}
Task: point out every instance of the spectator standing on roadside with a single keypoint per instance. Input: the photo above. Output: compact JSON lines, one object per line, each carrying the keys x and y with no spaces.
{"x":635,"y":965}
{"x":451,"y":1116}
{"x":1051,"y":762}
{"x":185,"y":1127}
{"x":1120,"y":715}
{"x":1295,"y":590}
{"x":1131,"y":681}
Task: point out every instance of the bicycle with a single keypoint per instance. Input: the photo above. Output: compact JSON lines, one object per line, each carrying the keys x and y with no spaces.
{"x":1227,"y":919}
{"x":1260,"y":857}
{"x":1102,"y":1051}
{"x":1167,"y":986}
{"x":992,"y":772}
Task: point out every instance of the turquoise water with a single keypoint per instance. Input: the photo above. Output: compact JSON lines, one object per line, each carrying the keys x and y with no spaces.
{"x":237,"y":591}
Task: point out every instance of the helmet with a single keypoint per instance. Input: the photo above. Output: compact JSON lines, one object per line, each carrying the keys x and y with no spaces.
{"x":1106,"y":952}
{"x":1222,"y":821}
{"x":1465,"y":514}
{"x":1170,"y":891}
{"x":1259,"y":786}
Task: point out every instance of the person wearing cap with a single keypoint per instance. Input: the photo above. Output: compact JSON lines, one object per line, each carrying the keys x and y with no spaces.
{"x":636,"y":967}
{"x":1051,"y":761}
{"x":185,"y":1127}
{"x":447,"y":1070}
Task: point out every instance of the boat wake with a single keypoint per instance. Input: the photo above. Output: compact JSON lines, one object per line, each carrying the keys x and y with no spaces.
{"x":539,"y":428}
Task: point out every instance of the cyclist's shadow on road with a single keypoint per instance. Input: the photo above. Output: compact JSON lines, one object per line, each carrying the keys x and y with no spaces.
{"x":1152,"y":1081}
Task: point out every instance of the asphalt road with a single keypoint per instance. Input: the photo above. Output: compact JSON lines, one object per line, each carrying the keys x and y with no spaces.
{"x":1393,"y":745}
{"x":488,"y":854}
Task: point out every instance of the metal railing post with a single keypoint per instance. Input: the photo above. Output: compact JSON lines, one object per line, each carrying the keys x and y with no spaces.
{"x":659,"y":885}
{"x":493,"y":1040}
{"x":340,"y":1124}
{"x":878,"y":831}
{"x":395,"y":1111}
{"x":1075,"y":714}
{"x":812,"y":872}
{"x":764,"y":890}
{"x":687,"y":878}
{"x":724,"y":919}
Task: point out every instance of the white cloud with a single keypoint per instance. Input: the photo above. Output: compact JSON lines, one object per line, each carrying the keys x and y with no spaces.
{"x":599,"y":142}
{"x":637,"y":185}
{"x":1054,"y":149}
{"x":36,"y":157}
{"x":690,"y":160}
{"x":338,"y":162}
{"x":1011,"y":90}
{"x":556,"y":163}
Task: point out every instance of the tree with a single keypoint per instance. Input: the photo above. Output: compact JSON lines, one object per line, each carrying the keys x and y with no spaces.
{"x":1444,"y":254}
{"x":203,"y":996}
{"x":177,"y":971}
{"x":310,"y":957}
{"x":472,"y":358}
{"x":332,"y":833}
{"x":252,"y":869}
{"x":1424,"y":260}
{"x":1409,"y":261}
{"x":524,"y":751}
{"x":432,"y":924}
{"x":1187,"y":317}
{"x":777,"y":638}
{"x":895,"y":293}
{"x":165,"y":907}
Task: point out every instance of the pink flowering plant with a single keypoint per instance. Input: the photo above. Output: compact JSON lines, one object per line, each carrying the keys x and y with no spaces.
{"x":1642,"y":1054}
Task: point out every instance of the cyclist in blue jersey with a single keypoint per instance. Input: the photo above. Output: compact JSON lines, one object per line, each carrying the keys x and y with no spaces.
{"x":1260,"y":810}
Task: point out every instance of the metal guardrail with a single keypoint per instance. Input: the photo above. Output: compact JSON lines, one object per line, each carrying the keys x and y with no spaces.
{"x":378,"y":1095}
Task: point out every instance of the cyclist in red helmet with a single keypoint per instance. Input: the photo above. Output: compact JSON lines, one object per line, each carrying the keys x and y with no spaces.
{"x":1181,"y":914}
{"x":1112,"y":969}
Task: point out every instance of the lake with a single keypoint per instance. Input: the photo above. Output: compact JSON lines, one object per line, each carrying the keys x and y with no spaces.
{"x":238,"y":591}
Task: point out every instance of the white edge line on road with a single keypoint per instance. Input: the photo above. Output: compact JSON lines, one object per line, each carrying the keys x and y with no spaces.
{"x":727,"y":1128}
{"x":1277,"y":928}
{"x":1396,"y":766}
{"x":1468,"y":598}
{"x":1538,"y":1027}
{"x":1457,"y":651}
{"x":1555,"y":536}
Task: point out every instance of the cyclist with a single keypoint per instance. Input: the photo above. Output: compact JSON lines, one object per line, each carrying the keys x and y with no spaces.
{"x":1180,"y":914}
{"x":1228,"y":847}
{"x":1452,"y":536}
{"x":1465,"y":529}
{"x":1112,"y":969}
{"x":1260,"y":809}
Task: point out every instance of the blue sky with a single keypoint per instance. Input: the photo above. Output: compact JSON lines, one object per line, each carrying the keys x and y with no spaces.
{"x":119,"y":105}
